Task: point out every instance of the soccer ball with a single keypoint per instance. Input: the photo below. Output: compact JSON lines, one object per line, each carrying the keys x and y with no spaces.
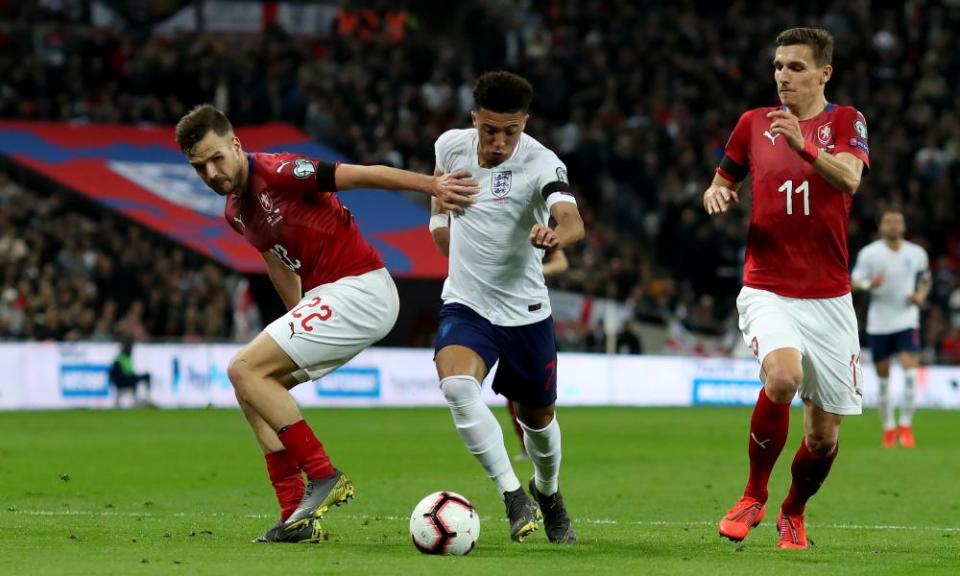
{"x":445,"y":523}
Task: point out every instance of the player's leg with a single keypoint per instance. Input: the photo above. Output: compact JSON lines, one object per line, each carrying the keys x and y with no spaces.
{"x":528,"y":375}
{"x":541,"y":435}
{"x":831,"y":388}
{"x":880,"y":351}
{"x":810,"y":468}
{"x":910,"y":361}
{"x":461,"y":370}
{"x":543,"y":444}
{"x":260,"y":374}
{"x":769,"y":329}
{"x":465,"y":351}
{"x":517,"y":429}
{"x":284,"y":472}
{"x":769,"y":425}
{"x":332,"y":324}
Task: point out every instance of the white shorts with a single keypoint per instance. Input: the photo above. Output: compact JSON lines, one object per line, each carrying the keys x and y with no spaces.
{"x":335,"y":322}
{"x":824,"y":330}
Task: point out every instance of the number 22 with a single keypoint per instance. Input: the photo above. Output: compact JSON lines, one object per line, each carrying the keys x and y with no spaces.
{"x":803,"y":188}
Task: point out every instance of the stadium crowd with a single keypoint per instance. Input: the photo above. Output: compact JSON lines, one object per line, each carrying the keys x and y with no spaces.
{"x":69,"y":273}
{"x":637,"y":97}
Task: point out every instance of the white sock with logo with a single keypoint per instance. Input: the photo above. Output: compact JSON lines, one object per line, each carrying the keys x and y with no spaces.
{"x":909,"y":397}
{"x":885,"y":405}
{"x":543,"y":447}
{"x":479,"y":429}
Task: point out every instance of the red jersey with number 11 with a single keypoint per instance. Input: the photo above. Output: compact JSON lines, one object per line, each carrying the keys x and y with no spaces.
{"x":289,"y":208}
{"x":797,"y":244}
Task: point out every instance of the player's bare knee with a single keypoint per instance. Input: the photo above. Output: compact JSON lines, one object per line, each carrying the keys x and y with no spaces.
{"x":883,"y":368}
{"x":536,"y":417}
{"x":241,"y":376}
{"x":821,"y":445}
{"x":782,"y":384}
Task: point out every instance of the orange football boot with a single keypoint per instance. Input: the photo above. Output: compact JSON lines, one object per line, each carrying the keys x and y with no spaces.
{"x":745,"y":515}
{"x":906,"y":437}
{"x":890,"y":438}
{"x":793,"y":533}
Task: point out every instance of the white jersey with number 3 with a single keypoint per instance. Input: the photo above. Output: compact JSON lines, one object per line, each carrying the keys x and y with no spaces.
{"x":889,"y":310}
{"x":494,"y":269}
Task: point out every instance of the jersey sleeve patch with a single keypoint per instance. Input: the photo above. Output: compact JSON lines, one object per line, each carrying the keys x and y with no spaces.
{"x":852,"y":136}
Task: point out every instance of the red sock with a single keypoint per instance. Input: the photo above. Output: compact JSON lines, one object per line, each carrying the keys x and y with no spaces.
{"x":306,"y":450}
{"x":809,"y":472}
{"x":768,"y":433}
{"x":287,"y":481}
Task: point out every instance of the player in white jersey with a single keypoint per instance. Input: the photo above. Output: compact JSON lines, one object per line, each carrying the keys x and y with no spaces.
{"x":554,"y":262}
{"x":897,"y":275}
{"x":495,"y":303}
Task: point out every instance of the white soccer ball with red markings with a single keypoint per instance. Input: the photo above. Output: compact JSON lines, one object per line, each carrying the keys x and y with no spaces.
{"x":445,"y":523}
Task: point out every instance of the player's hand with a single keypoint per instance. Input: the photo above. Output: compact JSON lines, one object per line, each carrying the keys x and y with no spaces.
{"x":454,"y":191}
{"x":915,"y":299}
{"x":718,"y":199}
{"x":786,"y":123}
{"x":543,"y":237}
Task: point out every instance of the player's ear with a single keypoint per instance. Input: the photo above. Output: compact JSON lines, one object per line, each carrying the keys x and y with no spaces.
{"x":826,"y":74}
{"x":473,"y":119}
{"x":235,"y":143}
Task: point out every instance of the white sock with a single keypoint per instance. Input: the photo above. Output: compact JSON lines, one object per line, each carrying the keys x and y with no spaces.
{"x":543,"y":447}
{"x":909,"y":397}
{"x":885,"y":406}
{"x":479,"y":429}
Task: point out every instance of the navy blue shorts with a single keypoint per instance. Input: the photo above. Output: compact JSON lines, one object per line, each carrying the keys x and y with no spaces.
{"x":883,"y":346}
{"x":528,"y":354}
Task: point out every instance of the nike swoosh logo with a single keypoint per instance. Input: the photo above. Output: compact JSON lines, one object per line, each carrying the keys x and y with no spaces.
{"x":759,"y":443}
{"x":282,"y":164}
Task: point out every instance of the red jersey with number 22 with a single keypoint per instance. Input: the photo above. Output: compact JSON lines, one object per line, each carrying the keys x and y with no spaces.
{"x":289,"y":209}
{"x":797,"y":244}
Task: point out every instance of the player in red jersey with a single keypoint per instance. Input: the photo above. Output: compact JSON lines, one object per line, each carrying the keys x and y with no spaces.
{"x":805,"y":160}
{"x":339,"y":296}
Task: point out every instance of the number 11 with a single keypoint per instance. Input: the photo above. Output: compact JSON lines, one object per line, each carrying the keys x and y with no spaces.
{"x":803,"y":188}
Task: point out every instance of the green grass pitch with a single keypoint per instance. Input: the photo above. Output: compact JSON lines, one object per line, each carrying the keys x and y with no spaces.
{"x":183,"y":492}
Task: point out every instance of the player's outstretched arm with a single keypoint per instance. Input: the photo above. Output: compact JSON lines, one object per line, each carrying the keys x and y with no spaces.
{"x":569,"y":229}
{"x":453,"y":190}
{"x":285,"y":280}
{"x":439,"y":227}
{"x":721,"y":194}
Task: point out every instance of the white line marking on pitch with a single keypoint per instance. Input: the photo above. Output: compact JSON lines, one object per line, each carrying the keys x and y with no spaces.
{"x":603,"y":521}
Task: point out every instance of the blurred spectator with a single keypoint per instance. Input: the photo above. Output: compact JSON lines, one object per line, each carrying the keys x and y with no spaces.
{"x":69,"y":275}
{"x":131,"y":388}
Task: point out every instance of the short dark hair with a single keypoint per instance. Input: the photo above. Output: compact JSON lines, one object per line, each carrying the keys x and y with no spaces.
{"x":890,"y":209}
{"x":819,"y":40}
{"x":502,"y":92}
{"x":195,"y":124}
